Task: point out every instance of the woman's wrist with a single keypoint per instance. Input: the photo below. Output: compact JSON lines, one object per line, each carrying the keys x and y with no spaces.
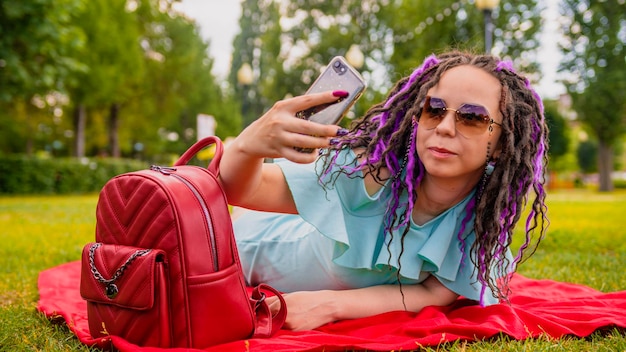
{"x":332,"y":305}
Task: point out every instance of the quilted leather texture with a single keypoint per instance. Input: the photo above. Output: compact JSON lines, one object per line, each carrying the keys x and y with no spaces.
{"x":141,"y":301}
{"x":184,"y":213}
{"x":136,"y":288}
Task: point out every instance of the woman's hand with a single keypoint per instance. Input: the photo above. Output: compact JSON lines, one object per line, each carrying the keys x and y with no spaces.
{"x":306,"y":310}
{"x":250,"y":183}
{"x":278,"y":131}
{"x":310,"y":309}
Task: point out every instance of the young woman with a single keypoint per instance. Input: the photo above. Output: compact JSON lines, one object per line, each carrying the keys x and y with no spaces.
{"x":413,"y":206}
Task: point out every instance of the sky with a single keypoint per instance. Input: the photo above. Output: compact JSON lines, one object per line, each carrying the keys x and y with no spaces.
{"x":219,"y":23}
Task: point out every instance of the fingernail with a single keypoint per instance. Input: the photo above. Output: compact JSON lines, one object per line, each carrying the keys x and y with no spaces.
{"x":334,"y":141}
{"x":340,"y":93}
{"x":342,"y":132}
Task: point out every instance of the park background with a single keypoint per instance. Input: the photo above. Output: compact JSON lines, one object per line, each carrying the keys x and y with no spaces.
{"x":93,"y":88}
{"x":102,"y":83}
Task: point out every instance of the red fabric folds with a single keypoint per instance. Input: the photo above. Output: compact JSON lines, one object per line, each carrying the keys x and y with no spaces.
{"x":537,"y":307}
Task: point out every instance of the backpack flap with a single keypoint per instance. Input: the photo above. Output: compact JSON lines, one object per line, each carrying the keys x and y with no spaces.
{"x":121,"y":276}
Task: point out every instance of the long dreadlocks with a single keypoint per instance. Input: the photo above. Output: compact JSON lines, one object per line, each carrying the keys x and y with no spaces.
{"x":386,"y":136}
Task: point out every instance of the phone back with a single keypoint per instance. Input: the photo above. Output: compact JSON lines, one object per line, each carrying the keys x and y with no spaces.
{"x":338,"y":75}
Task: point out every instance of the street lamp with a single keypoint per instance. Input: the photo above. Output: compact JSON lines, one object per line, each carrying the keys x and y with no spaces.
{"x":355,"y":56}
{"x":244,"y":74}
{"x":245,"y":78}
{"x":487,"y":6}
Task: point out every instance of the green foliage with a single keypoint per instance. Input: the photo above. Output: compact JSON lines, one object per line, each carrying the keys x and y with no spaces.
{"x":559,"y":138}
{"x":49,"y":231}
{"x":180,"y":86}
{"x":259,"y":45}
{"x":37,"y":43}
{"x":394,"y":36}
{"x":594,"y":58}
{"x":421,"y":28}
{"x":31,"y":175}
{"x":139,"y":70}
{"x":115,"y":67}
{"x":587,"y":153}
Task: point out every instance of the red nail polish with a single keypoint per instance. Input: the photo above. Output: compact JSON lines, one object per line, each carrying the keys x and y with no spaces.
{"x":340,"y":93}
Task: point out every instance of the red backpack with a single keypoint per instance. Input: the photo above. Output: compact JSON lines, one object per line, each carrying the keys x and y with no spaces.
{"x":164,"y":270}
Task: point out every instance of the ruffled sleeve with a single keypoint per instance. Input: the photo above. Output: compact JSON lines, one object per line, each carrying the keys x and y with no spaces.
{"x":345,"y":213}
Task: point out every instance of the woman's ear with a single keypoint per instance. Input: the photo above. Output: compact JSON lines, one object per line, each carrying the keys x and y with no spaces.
{"x":496,"y":151}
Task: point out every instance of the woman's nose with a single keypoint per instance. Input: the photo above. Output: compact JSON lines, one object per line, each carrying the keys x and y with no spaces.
{"x":447,"y":124}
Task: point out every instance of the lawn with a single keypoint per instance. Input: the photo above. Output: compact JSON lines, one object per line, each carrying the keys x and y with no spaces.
{"x":586,"y":244}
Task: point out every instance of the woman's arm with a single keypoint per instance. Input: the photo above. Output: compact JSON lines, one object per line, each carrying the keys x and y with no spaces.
{"x":250,"y":183}
{"x":310,"y":309}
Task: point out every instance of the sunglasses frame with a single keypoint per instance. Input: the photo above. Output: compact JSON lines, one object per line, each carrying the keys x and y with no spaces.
{"x":458,"y":114}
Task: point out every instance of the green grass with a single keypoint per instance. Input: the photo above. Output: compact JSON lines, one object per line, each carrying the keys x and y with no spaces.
{"x":38,"y":233}
{"x":585,"y":244}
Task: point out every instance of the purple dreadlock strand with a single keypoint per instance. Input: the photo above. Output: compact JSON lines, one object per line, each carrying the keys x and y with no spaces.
{"x":381,"y":119}
{"x":386,"y":140}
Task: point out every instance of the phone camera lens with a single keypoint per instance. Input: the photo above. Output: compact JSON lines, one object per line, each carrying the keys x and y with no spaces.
{"x":339,"y":67}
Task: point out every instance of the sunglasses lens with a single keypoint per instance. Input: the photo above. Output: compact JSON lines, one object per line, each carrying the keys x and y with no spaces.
{"x":433,"y":112}
{"x":471,"y":120}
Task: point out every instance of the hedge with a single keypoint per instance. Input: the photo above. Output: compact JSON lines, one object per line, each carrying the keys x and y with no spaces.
{"x":32,"y":175}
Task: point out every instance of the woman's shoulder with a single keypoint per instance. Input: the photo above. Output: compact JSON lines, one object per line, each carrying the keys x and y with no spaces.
{"x":373,"y":180}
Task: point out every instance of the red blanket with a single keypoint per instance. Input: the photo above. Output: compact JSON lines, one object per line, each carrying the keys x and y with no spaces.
{"x":537,"y":307}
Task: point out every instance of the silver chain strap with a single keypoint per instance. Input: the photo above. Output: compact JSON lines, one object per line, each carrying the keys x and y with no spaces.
{"x":111,"y":289}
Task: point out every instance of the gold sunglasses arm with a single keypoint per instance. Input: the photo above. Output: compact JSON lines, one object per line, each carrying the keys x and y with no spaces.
{"x":491,"y":123}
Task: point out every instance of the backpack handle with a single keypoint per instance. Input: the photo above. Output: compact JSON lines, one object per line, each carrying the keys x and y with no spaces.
{"x":266,"y":323}
{"x":198,"y":146}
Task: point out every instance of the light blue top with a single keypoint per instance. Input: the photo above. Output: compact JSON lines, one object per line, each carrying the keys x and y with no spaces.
{"x":338,"y":240}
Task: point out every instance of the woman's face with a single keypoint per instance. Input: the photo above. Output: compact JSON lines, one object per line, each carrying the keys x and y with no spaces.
{"x":446,"y":153}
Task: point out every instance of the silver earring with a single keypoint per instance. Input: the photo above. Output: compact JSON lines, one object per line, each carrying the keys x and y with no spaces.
{"x":491,"y":165}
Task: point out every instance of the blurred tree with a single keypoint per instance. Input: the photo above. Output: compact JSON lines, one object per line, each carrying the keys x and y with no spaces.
{"x":179,"y":85}
{"x":587,"y":155}
{"x":594,"y":53}
{"x":421,"y":28}
{"x":115,"y":68}
{"x":130,"y":69}
{"x":559,"y":138}
{"x":316,"y":31}
{"x":394,"y":37}
{"x":259,"y":46}
{"x":37,"y":43}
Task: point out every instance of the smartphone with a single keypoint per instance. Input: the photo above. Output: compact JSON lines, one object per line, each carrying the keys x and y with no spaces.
{"x":338,"y":75}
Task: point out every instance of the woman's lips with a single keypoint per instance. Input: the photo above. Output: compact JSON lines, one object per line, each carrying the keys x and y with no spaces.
{"x":441,"y":152}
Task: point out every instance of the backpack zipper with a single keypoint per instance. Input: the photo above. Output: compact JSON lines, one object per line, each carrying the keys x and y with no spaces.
{"x":169,"y":171}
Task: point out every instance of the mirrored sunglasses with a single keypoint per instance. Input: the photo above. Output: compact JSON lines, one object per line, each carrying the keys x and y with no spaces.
{"x":470,"y":119}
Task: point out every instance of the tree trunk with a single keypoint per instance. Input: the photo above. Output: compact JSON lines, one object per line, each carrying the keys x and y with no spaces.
{"x":80,"y":118}
{"x":605,"y":166}
{"x":30,"y":145}
{"x":114,"y":125}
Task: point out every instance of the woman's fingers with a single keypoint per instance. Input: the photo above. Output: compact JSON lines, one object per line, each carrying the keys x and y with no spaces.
{"x":273,"y":303}
{"x":307,"y":101}
{"x":279,"y":131}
